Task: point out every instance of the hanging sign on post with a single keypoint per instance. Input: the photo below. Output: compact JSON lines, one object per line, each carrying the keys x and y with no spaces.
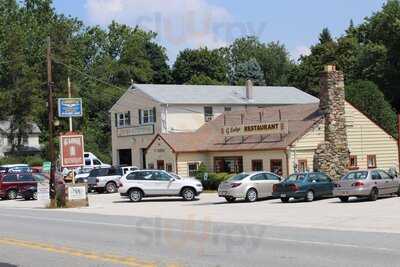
{"x":71,"y":148}
{"x":70,"y":107}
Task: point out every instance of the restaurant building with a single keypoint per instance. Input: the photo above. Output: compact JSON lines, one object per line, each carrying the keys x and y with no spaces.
{"x":146,"y":110}
{"x":331,"y":136}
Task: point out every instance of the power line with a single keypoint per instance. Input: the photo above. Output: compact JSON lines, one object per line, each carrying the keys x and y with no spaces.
{"x":85,"y":74}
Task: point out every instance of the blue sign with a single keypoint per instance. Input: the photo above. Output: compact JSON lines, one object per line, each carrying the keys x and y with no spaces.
{"x":69,"y":107}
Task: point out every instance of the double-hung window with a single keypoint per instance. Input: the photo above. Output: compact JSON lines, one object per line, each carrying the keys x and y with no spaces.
{"x":123,"y":119}
{"x":147,"y":116}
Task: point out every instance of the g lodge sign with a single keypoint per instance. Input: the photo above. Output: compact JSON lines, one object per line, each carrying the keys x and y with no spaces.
{"x":280,"y":127}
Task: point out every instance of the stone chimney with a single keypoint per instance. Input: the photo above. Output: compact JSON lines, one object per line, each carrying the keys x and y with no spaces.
{"x":249,"y":90}
{"x":332,"y":156}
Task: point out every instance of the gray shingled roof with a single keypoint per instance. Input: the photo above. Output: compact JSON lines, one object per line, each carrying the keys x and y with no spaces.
{"x":5,"y":127}
{"x":211,"y":94}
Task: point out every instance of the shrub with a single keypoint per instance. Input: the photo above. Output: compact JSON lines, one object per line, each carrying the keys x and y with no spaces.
{"x":30,"y":160}
{"x":213,"y":180}
{"x":34,"y":161}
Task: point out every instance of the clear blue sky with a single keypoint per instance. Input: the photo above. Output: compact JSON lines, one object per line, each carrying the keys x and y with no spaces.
{"x":194,"y":23}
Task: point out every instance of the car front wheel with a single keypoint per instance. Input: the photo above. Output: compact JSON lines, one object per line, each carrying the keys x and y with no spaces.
{"x":310,"y":196}
{"x":135,"y":195}
{"x":188,"y":194}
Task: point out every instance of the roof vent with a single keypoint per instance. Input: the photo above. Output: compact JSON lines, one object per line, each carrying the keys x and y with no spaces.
{"x":249,"y":90}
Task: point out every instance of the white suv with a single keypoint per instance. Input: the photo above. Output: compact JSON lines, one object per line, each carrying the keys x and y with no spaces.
{"x":154,"y":183}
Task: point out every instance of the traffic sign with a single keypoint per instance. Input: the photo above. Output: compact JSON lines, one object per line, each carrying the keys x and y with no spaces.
{"x":46,"y":167}
{"x":70,"y":107}
{"x":71,"y":149}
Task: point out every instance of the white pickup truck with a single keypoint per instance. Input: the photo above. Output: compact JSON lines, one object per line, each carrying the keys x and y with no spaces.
{"x":106,"y":179}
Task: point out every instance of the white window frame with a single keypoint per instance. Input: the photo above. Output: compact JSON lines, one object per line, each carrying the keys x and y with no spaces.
{"x":124,"y":121}
{"x":149,"y":116}
{"x":208,"y":116}
{"x":197,"y":163}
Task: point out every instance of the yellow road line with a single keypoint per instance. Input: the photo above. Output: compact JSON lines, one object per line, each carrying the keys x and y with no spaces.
{"x":128,"y":261}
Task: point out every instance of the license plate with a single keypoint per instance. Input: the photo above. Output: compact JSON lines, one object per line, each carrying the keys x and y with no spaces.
{"x":283,"y":195}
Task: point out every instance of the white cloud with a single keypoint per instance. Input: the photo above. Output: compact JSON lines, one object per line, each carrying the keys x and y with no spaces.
{"x":300,"y":51}
{"x":179,"y":23}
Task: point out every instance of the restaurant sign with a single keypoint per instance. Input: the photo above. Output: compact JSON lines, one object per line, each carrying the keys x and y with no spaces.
{"x":263,"y":128}
{"x":134,"y":131}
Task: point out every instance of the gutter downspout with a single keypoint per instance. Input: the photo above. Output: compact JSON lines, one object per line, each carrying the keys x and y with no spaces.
{"x":287,"y":161}
{"x":176,"y":163}
{"x":166,"y":119}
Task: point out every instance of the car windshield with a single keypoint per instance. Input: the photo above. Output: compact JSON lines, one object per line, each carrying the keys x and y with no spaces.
{"x":238,"y":177}
{"x":362,"y":175}
{"x":296,"y":177}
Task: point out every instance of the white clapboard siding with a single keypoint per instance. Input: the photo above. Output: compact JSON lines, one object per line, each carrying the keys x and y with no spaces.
{"x":364,"y":138}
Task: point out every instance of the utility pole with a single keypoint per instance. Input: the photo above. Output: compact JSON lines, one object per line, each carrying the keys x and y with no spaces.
{"x":398,"y":139}
{"x":51,"y":123}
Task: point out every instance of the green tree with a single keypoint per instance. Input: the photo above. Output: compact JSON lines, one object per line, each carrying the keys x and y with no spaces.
{"x":273,"y":59}
{"x":249,"y":70}
{"x":367,"y":97}
{"x":325,"y":36}
{"x":201,"y":63}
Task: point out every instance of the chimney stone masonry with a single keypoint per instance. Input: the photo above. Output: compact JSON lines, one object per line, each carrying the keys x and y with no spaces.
{"x":332,"y":156}
{"x":249,"y":90}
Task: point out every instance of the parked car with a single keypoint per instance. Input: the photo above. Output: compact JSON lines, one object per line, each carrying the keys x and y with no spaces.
{"x":307,"y":186}
{"x":367,"y":183}
{"x":12,"y":184}
{"x":154,"y":183}
{"x":105,"y":179}
{"x":248,"y":185}
{"x":15,"y":168}
{"x":31,"y":192}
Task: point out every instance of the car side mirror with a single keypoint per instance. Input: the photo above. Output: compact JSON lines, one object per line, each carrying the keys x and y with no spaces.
{"x":172,"y":180}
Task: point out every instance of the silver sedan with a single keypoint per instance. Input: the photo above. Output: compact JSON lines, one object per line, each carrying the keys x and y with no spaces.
{"x":367,"y":183}
{"x":248,"y":185}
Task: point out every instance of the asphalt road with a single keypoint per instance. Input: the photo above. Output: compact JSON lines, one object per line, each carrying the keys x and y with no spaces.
{"x":48,"y":238}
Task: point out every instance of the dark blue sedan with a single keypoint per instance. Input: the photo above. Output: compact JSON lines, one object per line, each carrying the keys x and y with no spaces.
{"x":307,"y":186}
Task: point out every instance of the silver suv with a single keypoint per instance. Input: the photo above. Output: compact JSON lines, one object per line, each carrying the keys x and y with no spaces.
{"x":154,"y":183}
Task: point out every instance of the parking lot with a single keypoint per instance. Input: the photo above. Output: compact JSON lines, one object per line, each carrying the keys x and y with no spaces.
{"x":357,"y":215}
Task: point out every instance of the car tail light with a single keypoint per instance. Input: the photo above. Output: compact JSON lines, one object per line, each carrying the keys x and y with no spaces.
{"x":235,"y":185}
{"x":293,"y":188}
{"x":275,"y":188}
{"x":358,"y":184}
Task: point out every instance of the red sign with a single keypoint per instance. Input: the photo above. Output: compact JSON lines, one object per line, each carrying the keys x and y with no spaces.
{"x":71,"y":149}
